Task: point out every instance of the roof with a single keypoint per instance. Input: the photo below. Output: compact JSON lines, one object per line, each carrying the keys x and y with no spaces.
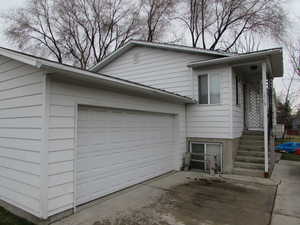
{"x":274,"y":55}
{"x":158,"y":45}
{"x":79,"y":74}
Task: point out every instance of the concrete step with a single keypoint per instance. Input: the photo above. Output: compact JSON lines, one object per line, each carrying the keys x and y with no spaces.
{"x":253,"y":132}
{"x":250,"y":159}
{"x":251,"y":147}
{"x":248,"y":165}
{"x":251,"y":142}
{"x":248,"y":172}
{"x":251,"y":153}
{"x":252,"y":137}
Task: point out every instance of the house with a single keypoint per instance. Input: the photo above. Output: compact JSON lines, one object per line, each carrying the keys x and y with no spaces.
{"x":296,"y":124}
{"x":69,"y":136}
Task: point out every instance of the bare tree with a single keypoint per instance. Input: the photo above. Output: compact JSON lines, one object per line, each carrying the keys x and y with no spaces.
{"x":77,"y":31}
{"x":293,"y":50}
{"x":290,"y":94}
{"x":156,"y":15}
{"x":220,"y":23}
{"x":197,"y":19}
{"x":248,"y":42}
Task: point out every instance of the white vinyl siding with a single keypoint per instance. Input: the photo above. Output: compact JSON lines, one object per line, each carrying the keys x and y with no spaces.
{"x":120,"y":148}
{"x":155,"y":67}
{"x":63,"y":100}
{"x":168,"y":70}
{"x":21,"y":109}
{"x":211,"y":120}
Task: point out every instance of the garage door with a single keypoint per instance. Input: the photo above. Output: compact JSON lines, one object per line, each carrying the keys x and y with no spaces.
{"x":119,"y":148}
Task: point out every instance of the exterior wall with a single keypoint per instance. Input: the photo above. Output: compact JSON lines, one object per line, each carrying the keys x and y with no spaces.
{"x":237,"y":110}
{"x":211,"y":121}
{"x":63,"y":99}
{"x":157,"y":68}
{"x":168,"y":70}
{"x":229,"y":149}
{"x":21,"y":134}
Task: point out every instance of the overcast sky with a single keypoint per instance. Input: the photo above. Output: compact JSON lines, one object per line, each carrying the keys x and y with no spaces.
{"x":292,"y":7}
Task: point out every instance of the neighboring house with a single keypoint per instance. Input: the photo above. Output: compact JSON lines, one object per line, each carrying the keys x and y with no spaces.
{"x":69,"y":136}
{"x":296,"y":124}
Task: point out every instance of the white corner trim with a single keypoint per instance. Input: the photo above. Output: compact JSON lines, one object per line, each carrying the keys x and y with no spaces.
{"x":230,"y":74}
{"x":75,"y":157}
{"x":44,"y":149}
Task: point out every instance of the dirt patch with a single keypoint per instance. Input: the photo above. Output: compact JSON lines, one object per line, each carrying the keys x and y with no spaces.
{"x":206,"y":201}
{"x":135,"y":218}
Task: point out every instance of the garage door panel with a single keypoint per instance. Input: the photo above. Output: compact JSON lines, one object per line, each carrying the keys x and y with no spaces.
{"x":119,"y":156}
{"x":111,"y":182}
{"x":107,"y":175}
{"x":119,"y":148}
{"x":117,"y":165}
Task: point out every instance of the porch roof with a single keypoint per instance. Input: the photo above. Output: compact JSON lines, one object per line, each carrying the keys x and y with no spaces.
{"x":274,"y":56}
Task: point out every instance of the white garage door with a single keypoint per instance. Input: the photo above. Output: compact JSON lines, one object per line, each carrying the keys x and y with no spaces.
{"x":119,"y":148}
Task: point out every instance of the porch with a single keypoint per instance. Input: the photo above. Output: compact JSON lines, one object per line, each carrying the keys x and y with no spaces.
{"x":254,"y":87}
{"x":252,"y":104}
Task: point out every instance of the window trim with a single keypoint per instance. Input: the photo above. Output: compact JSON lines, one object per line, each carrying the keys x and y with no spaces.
{"x":208,"y":91}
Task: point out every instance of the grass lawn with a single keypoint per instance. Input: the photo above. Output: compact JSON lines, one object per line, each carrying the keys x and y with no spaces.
{"x":288,"y":138}
{"x":291,"y":157}
{"x":6,"y":218}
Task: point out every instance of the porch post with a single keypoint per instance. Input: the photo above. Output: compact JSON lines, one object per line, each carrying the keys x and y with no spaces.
{"x":265,"y":112}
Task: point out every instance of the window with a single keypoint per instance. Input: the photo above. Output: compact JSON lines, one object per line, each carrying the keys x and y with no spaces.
{"x":209,"y":89}
{"x":203,"y":89}
{"x":214,"y":89}
{"x":237,"y":100}
{"x":203,"y":154}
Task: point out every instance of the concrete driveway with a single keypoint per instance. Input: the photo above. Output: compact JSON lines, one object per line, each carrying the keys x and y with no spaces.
{"x":287,"y":205}
{"x":182,"y":198}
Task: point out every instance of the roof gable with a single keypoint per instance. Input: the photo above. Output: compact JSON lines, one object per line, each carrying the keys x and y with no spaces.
{"x":168,"y":47}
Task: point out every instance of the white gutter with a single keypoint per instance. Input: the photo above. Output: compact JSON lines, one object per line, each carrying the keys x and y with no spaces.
{"x":86,"y":75}
{"x":21,"y":58}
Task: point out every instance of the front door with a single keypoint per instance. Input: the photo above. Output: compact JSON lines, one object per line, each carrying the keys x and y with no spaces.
{"x":253,"y":108}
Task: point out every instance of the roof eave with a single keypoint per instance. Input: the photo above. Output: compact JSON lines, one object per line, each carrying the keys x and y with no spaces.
{"x":275,"y":56}
{"x":96,"y":78}
{"x":54,"y":67}
{"x":111,"y":57}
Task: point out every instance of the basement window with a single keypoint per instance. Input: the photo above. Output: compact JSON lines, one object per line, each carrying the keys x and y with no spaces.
{"x":203,"y":155}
